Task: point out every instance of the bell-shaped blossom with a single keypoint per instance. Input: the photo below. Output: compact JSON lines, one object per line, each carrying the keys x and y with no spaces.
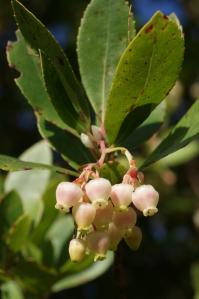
{"x":67,"y":195}
{"x":115,"y":235}
{"x":145,"y":198}
{"x":125,"y":219}
{"x":98,"y":191}
{"x":133,"y":238}
{"x":84,"y":214}
{"x":121,"y":195}
{"x":98,"y":243}
{"x":103,"y":216}
{"x":77,"y":250}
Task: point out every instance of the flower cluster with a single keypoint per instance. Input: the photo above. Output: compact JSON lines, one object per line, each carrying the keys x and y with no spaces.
{"x":105,"y":214}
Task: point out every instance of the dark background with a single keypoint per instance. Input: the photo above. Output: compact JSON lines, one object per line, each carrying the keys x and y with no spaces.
{"x":163,"y":265}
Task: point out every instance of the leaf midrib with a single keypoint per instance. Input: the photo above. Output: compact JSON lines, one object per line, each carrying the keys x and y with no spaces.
{"x":105,"y":62}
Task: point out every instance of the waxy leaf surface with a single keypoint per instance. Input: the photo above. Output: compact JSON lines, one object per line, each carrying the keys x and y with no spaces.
{"x":145,"y":74}
{"x":186,"y":130}
{"x":103,"y":36}
{"x":37,"y":35}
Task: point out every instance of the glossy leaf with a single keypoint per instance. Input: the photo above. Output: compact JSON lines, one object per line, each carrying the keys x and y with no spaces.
{"x":103,"y":36}
{"x":70,"y":147}
{"x":18,"y":233}
{"x":37,"y":35}
{"x":11,"y":209}
{"x":32,"y":186}
{"x":8,"y":163}
{"x":58,"y":238}
{"x":59,"y":98}
{"x":186,"y":130}
{"x":26,"y":61}
{"x":34,"y":278}
{"x":146,"y":130}
{"x":95,"y":270}
{"x":145,"y":74}
{"x":49,"y":212}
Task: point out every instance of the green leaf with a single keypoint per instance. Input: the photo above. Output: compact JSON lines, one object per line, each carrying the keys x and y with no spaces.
{"x":30,"y":82}
{"x":186,"y":130}
{"x":34,"y":278}
{"x":145,"y":74}
{"x":59,"y":97}
{"x":8,"y":163}
{"x":149,"y":127}
{"x":11,"y":290}
{"x":95,"y":270}
{"x":180,"y":157}
{"x":114,"y":172}
{"x":11,"y":209}
{"x":58,"y":235}
{"x":69,"y":146}
{"x":31,"y":187}
{"x":37,"y":35}
{"x":49,"y":212}
{"x":18,"y":233}
{"x":103,"y":36}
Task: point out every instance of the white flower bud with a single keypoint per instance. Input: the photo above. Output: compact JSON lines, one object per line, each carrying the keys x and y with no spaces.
{"x":103,"y":216}
{"x":115,"y":235}
{"x":85,"y":139}
{"x":121,"y":195}
{"x":125,"y":219}
{"x":84,"y":214}
{"x":77,"y":250}
{"x":133,"y":238}
{"x":67,"y":195}
{"x":145,"y":198}
{"x":98,"y":243}
{"x":98,"y":191}
{"x":96,"y":131}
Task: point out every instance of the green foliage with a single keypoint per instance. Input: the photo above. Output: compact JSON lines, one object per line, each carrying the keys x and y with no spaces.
{"x":39,"y":179}
{"x":18,"y":234}
{"x":145,"y":74}
{"x":69,"y":146}
{"x":59,"y":97}
{"x":33,"y":258}
{"x":103,"y":36}
{"x":37,"y":35}
{"x":26,"y":61}
{"x":10,"y":290}
{"x":147,"y":128}
{"x":183,"y":133}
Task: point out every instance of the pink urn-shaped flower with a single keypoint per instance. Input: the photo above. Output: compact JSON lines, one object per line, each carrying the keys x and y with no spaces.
{"x":98,"y":243}
{"x":145,"y":198}
{"x":133,"y":238}
{"x":98,"y":191}
{"x":67,"y":195}
{"x":121,"y":195}
{"x":84,"y":214}
{"x":115,"y":235}
{"x":77,"y":250}
{"x":125,"y":219}
{"x":103,"y":216}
